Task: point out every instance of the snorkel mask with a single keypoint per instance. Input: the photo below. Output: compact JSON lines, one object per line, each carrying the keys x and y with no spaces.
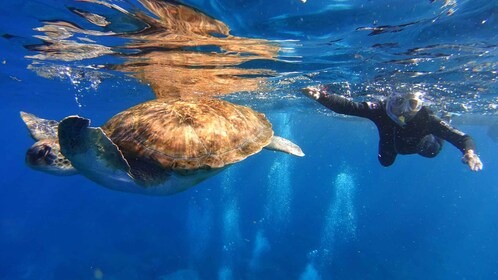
{"x":402,"y":107}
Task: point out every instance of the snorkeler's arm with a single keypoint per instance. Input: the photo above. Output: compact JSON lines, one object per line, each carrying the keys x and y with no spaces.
{"x":341,"y":104}
{"x":459,"y":139}
{"x":456,"y":137}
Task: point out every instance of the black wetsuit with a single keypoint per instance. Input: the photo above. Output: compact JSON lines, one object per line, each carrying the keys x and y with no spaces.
{"x":421,"y":135}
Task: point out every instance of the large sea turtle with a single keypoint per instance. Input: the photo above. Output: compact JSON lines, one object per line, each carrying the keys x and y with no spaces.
{"x":159,"y":147}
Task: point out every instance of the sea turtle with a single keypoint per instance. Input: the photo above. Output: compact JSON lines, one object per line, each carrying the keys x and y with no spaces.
{"x":159,"y":147}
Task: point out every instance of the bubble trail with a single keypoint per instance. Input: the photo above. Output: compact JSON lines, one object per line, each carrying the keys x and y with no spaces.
{"x":340,"y":221}
{"x":310,"y":273}
{"x":230,"y":219}
{"x":261,"y":246}
{"x":279,"y":191}
{"x":339,"y":225}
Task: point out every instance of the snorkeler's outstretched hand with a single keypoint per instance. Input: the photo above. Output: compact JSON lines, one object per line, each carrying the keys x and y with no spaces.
{"x":472,"y":160}
{"x":312,"y":92}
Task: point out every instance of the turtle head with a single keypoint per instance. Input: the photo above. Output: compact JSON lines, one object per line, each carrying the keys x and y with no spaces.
{"x":45,"y":154}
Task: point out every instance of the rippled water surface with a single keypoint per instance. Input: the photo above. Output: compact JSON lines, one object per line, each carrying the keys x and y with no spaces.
{"x":333,"y":214}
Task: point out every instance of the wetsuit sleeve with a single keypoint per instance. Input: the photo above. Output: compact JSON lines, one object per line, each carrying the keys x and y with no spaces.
{"x":456,"y":137}
{"x":342,"y":105}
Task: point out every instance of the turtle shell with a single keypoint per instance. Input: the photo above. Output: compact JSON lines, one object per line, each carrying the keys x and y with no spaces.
{"x":189,"y":134}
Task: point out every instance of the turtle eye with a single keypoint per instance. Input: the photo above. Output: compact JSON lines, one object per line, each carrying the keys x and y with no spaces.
{"x":39,"y":154}
{"x":43,"y":151}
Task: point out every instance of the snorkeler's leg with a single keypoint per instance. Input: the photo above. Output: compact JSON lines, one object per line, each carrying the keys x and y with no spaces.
{"x":386,"y":156}
{"x":430,"y":146}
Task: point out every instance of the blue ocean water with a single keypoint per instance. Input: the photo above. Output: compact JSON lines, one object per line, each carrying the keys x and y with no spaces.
{"x":334,"y":214}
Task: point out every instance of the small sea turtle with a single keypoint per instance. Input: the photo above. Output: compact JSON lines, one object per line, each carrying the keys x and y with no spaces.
{"x":159,"y":147}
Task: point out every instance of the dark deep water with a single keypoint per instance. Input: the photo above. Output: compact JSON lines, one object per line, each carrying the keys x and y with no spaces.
{"x":334,"y":214}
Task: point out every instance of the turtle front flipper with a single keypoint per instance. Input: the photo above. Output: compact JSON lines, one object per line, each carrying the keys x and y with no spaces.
{"x":93,"y":154}
{"x":283,"y":145}
{"x":40,"y":128}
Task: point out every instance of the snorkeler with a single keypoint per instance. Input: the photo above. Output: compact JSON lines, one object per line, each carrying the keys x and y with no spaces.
{"x":405,"y":125}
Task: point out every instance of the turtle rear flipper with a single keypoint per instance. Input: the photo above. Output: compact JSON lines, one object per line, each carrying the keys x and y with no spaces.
{"x":92,"y":153}
{"x":283,"y":145}
{"x":40,"y":128}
